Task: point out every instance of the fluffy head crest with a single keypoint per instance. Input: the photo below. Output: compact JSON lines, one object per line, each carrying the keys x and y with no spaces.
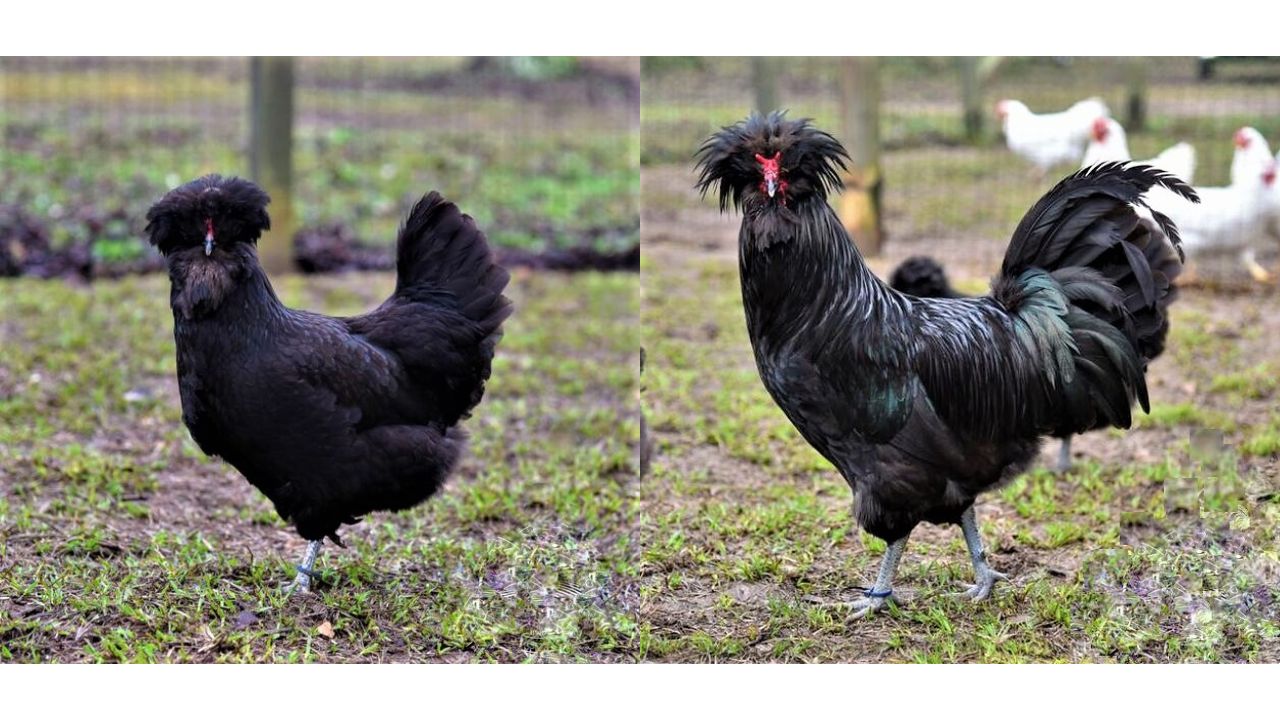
{"x":212,"y":208}
{"x":802,"y":159}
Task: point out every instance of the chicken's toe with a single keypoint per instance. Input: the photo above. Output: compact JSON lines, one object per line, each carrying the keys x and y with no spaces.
{"x":986,"y":581}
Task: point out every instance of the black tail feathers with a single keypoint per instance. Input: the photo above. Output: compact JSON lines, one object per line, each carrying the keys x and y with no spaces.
{"x":441,"y":249}
{"x":1095,"y":234}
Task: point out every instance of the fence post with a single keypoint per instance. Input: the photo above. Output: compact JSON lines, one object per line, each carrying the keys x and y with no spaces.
{"x":271,"y":154}
{"x":764,"y":80}
{"x":971,"y":97}
{"x":860,"y":204}
{"x":1136,"y":117}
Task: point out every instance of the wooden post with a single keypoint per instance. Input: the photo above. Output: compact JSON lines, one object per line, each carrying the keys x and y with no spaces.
{"x":271,"y":154}
{"x":1136,"y":117}
{"x":860,"y":204}
{"x":764,"y":80}
{"x":971,"y":97}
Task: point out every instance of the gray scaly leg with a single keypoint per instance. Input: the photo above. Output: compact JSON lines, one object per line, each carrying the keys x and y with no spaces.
{"x":1064,"y":456}
{"x":881,"y":594}
{"x":302,"y":582}
{"x":985,"y":576}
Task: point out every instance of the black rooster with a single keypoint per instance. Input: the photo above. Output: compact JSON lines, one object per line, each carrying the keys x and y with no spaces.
{"x":924,"y":277}
{"x":922,"y":404}
{"x":330,"y":417}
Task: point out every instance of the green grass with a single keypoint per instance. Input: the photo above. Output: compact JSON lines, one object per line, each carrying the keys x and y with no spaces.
{"x":120,"y":542}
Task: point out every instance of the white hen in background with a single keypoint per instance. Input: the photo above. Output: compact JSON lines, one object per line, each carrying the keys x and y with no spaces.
{"x":1252,"y":155}
{"x":1052,"y":138}
{"x":1229,"y":219}
{"x":1109,"y":142}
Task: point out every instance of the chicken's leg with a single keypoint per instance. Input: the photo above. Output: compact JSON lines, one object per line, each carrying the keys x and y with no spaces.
{"x":881,"y":594}
{"x":1250,"y":261}
{"x":1064,"y":457}
{"x":302,"y":582}
{"x":986,"y":578}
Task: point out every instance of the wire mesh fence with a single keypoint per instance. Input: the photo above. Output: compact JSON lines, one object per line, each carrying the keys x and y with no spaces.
{"x":542,"y":151}
{"x":957,"y":190}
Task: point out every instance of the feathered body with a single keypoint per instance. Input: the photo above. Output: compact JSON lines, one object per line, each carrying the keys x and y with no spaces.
{"x":922,"y":404}
{"x":331,"y":418}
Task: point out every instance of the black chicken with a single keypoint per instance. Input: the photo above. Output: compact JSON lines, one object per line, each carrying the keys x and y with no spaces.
{"x":924,"y":277}
{"x":330,"y":417}
{"x":920,"y":403}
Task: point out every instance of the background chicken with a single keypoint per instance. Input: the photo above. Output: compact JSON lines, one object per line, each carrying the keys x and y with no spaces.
{"x":1109,"y":143}
{"x":331,"y":418}
{"x":1252,"y":155}
{"x":1049,"y":139}
{"x":922,"y":404}
{"x":1232,"y":219}
{"x":922,"y":276}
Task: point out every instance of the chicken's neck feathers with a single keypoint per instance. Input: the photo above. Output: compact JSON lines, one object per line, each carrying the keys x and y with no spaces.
{"x":802,"y":276}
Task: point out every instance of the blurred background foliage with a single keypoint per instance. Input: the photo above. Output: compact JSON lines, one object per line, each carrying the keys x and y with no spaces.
{"x":543,"y":151}
{"x":943,"y":184}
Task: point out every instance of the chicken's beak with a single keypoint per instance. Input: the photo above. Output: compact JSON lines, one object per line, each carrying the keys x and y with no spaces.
{"x":771,"y":186}
{"x":208,"y":244}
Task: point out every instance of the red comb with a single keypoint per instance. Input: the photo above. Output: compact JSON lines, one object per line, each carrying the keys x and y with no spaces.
{"x":1100,"y":129}
{"x":770,"y":164}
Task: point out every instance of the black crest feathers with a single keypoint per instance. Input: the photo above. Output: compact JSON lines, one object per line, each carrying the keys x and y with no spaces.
{"x":235,"y":208}
{"x":810,"y":159}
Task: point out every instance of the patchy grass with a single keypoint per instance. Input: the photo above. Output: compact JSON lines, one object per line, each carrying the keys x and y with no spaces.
{"x":119,"y":541}
{"x":1159,"y":546}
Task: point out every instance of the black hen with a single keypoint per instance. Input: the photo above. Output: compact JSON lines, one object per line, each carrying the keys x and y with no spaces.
{"x":920,"y":403}
{"x":330,"y":417}
{"x":922,"y":276}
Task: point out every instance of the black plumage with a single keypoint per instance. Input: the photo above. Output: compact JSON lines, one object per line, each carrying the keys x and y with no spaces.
{"x":331,"y":418}
{"x":921,"y":403}
{"x":922,"y":276}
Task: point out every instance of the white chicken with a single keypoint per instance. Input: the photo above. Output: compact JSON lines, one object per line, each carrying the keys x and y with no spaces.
{"x":1052,"y":138}
{"x":1251,"y":155}
{"x":1109,"y":142}
{"x":1228,"y":219}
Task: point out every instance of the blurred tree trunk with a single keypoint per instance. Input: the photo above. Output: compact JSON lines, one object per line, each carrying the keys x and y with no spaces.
{"x":271,"y":154}
{"x":764,"y":80}
{"x":1136,"y":115}
{"x":860,"y":204}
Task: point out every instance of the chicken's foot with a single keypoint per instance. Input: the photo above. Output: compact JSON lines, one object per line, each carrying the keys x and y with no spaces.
{"x":880,"y":595}
{"x":302,"y":582}
{"x":985,"y":577}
